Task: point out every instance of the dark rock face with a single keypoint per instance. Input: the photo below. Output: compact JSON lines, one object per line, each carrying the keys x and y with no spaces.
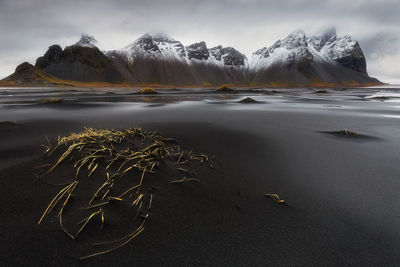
{"x":24,"y":68}
{"x":355,"y":63}
{"x":354,"y":60}
{"x":229,"y":55}
{"x":216,"y":52}
{"x":53,"y":55}
{"x":263,"y":52}
{"x":198,"y":51}
{"x":232,"y":57}
{"x":79,"y":63}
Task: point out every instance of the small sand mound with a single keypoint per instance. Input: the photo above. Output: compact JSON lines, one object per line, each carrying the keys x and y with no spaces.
{"x":247,"y":100}
{"x":351,"y":135}
{"x":50,"y":101}
{"x":346,"y":132}
{"x":147,"y":90}
{"x":322,"y":91}
{"x":380,"y":98}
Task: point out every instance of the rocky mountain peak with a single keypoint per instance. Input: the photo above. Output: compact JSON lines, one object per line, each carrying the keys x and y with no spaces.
{"x":161,"y":37}
{"x":198,"y":51}
{"x":53,"y":54}
{"x":325,"y":38}
{"x":146,"y":43}
{"x":87,"y":41}
{"x":155,"y":44}
{"x":24,"y":67}
{"x":228,"y":55}
{"x":294,"y":40}
{"x":298,"y":48}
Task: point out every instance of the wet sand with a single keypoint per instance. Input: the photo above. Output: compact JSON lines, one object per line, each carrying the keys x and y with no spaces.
{"x":342,"y":191}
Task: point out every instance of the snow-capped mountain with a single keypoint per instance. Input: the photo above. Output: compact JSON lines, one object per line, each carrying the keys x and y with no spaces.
{"x":162,"y":59}
{"x":162,"y":47}
{"x":302,"y":59}
{"x":297,"y":48}
{"x":295,"y":60}
{"x":158,"y":46}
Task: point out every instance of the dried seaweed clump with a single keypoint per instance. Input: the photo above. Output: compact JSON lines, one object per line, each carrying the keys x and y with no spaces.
{"x":112,"y":166}
{"x":147,"y":90}
{"x":224,"y":88}
{"x":50,"y":100}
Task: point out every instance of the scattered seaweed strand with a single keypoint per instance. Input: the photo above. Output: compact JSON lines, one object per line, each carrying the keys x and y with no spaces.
{"x":138,"y":231}
{"x":62,"y":209}
{"x":136,"y":186}
{"x":86,"y":222}
{"x":275,"y":197}
{"x":184,"y":179}
{"x":55,"y":201}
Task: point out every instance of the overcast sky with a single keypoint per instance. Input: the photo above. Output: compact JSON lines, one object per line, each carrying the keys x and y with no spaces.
{"x":29,"y":27}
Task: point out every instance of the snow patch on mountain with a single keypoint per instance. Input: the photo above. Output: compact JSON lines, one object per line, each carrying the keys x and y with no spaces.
{"x":157,"y":46}
{"x":87,"y":41}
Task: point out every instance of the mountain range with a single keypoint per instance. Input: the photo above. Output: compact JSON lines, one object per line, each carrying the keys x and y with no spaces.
{"x":297,"y":60}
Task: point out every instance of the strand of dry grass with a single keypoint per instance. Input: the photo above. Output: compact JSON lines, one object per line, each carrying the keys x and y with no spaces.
{"x":184,"y":179}
{"x":275,"y":197}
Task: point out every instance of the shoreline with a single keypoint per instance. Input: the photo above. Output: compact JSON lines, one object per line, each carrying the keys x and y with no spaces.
{"x":93,"y":85}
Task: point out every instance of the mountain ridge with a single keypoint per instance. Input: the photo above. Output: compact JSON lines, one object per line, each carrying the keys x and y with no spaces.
{"x":157,"y":58}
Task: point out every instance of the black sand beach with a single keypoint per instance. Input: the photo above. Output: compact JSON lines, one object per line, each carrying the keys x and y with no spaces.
{"x":341,"y":190}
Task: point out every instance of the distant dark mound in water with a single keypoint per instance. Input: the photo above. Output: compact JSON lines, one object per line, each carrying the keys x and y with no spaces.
{"x":79,"y":63}
{"x":322,"y":91}
{"x":248,"y":100}
{"x":274,"y":91}
{"x":380,"y":98}
{"x":349,"y":134}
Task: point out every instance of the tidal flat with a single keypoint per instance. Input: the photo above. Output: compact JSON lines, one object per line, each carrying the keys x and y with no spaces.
{"x":331,"y":155}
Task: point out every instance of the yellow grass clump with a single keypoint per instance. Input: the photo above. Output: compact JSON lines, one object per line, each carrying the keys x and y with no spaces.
{"x":50,"y":100}
{"x":224,"y":88}
{"x":147,"y":90}
{"x":107,"y":159}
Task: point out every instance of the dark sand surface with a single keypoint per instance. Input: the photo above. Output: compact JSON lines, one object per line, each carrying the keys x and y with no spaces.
{"x":342,"y":192}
